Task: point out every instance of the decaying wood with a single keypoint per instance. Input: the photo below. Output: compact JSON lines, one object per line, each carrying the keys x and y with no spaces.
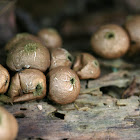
{"x":130,"y":90}
{"x":119,"y":79}
{"x":89,"y":117}
{"x":117,"y":63}
{"x":94,"y":115}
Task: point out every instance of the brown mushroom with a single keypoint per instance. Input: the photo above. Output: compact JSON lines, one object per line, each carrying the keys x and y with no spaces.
{"x":29,"y":84}
{"x":8,"y":125}
{"x":60,"y":57}
{"x":50,"y":38}
{"x":132,"y":25}
{"x":86,"y":66}
{"x":28,"y":54}
{"x":77,"y":63}
{"x":20,"y":38}
{"x":110,"y":41}
{"x":4,"y":79}
{"x":64,"y":85}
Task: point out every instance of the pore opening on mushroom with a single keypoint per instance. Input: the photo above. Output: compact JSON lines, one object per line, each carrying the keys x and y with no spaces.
{"x":72,"y":80}
{"x":95,"y":62}
{"x":6,"y":81}
{"x":38,"y":90}
{"x":69,"y":58}
{"x":109,"y":35}
{"x":30,"y":47}
{"x":133,"y":42}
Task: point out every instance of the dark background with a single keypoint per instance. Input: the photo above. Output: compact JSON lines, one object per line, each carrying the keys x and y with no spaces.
{"x":76,"y":20}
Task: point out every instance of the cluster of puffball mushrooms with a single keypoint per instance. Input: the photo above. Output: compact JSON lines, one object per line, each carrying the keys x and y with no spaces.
{"x":30,"y":56}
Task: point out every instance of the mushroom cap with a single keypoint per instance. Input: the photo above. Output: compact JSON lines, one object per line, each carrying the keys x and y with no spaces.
{"x":28,"y":54}
{"x":87,"y":66}
{"x":29,"y":84}
{"x":64,"y":85}
{"x":110,"y":41}
{"x":8,"y":125}
{"x":21,"y":37}
{"x":4,"y":79}
{"x":50,"y":38}
{"x":60,"y":57}
{"x":132,"y":25}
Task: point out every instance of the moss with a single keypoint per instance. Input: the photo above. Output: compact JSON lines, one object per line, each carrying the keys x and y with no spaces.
{"x":30,"y":47}
{"x":109,"y":35}
{"x":38,"y":90}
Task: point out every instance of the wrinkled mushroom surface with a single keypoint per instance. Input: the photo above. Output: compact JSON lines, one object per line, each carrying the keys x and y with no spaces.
{"x":8,"y":125}
{"x":110,"y":41}
{"x":28,"y":54}
{"x":4,"y":79}
{"x":64,"y":85}
{"x":29,"y":84}
{"x":60,"y":57}
{"x":50,"y":37}
{"x":86,"y":66}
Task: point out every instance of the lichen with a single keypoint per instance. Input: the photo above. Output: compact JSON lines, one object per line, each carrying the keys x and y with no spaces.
{"x":38,"y":90}
{"x":30,"y":47}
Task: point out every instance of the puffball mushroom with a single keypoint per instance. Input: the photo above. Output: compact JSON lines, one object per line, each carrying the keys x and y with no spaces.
{"x":4,"y":79}
{"x":64,"y":85}
{"x":50,"y":37}
{"x":110,"y":41}
{"x":29,"y":84}
{"x":8,"y":125}
{"x":21,"y":37}
{"x":60,"y":57}
{"x":28,"y":54}
{"x":132,"y":25}
{"x":86,"y":66}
